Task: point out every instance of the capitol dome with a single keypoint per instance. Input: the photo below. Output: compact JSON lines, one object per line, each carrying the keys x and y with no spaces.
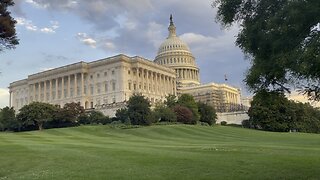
{"x":175,"y":53}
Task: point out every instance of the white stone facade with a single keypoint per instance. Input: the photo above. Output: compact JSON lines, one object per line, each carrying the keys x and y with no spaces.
{"x":103,"y":83}
{"x":222,"y":97}
{"x":108,"y":83}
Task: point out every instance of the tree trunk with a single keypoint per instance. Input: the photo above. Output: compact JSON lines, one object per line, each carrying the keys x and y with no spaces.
{"x":40,"y":126}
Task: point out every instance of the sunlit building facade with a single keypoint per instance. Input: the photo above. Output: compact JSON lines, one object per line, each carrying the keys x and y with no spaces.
{"x":107,"y":84}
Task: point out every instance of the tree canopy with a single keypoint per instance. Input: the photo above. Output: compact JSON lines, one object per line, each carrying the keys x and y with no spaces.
{"x":139,"y":110}
{"x":36,"y":113}
{"x":272,"y":111}
{"x":8,"y":38}
{"x":282,"y":39}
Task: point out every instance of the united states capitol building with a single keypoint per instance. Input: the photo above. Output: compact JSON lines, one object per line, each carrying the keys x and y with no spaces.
{"x":107,"y":84}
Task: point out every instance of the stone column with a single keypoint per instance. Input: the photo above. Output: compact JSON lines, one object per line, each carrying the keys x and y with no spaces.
{"x":39,"y":91}
{"x":75,"y":85}
{"x":57,"y":83}
{"x":69,"y":86}
{"x":50,"y":90}
{"x":45,"y":91}
{"x":82,"y":84}
{"x":62,"y":87}
{"x":34,"y":91}
{"x":10,"y":99}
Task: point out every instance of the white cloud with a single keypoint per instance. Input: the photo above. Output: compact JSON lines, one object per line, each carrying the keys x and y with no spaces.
{"x":4,"y":97}
{"x":46,"y":69}
{"x":209,"y":44}
{"x":109,"y":45}
{"x":36,"y":4}
{"x":47,"y":30}
{"x":84,"y":38}
{"x":26,"y":23}
{"x":155,"y":33}
{"x":31,"y":27}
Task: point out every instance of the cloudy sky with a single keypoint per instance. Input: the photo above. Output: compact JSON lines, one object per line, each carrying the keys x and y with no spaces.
{"x":53,"y":33}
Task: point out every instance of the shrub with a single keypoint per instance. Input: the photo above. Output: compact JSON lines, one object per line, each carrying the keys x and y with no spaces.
{"x":139,"y":110}
{"x":163,"y":113}
{"x":223,"y":123}
{"x":207,"y":113}
{"x":188,"y":101}
{"x":184,"y":115}
{"x":122,"y":115}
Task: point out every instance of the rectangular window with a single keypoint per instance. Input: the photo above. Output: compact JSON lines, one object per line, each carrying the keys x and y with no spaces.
{"x":113,"y":86}
{"x":91,"y":90}
{"x":129,"y":86}
{"x":134,"y":87}
{"x":85,"y":90}
{"x":106,"y":87}
{"x":98,"y":88}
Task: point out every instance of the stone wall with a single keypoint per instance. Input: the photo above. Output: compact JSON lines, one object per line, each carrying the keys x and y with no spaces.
{"x":232,"y":117}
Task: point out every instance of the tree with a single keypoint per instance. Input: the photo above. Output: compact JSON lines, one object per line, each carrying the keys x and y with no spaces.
{"x":122,"y":115}
{"x":139,"y":110}
{"x":188,"y":101}
{"x":282,"y":39}
{"x":184,"y":115}
{"x":72,"y":111}
{"x":207,"y":113}
{"x":171,"y":101}
{"x":8,"y":38}
{"x":36,"y":113}
{"x":97,"y":117}
{"x":8,"y":119}
{"x":271,"y":111}
{"x":164,"y":114}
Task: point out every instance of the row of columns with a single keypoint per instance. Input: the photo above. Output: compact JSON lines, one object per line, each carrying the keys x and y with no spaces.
{"x":52,"y":92}
{"x":175,"y":61}
{"x":188,"y":74}
{"x":160,"y":83}
{"x":231,"y":98}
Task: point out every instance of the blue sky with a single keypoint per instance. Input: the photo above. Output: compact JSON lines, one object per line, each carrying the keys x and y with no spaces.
{"x":53,"y":33}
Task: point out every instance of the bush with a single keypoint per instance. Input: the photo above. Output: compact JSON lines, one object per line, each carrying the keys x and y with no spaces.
{"x":246,"y":124}
{"x":188,"y":101}
{"x":207,"y":113}
{"x":184,"y":115}
{"x":272,"y":111}
{"x":223,"y":123}
{"x":122,"y":115}
{"x":8,"y":120}
{"x":163,"y":113}
{"x":139,"y":110}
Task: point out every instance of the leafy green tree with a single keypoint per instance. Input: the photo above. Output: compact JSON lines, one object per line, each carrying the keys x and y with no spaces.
{"x":188,"y":101}
{"x":122,"y":115}
{"x":271,"y":111}
{"x":139,"y":110}
{"x":8,"y":119}
{"x":72,"y":111}
{"x":207,"y":113}
{"x":163,"y":113}
{"x":8,"y":38}
{"x":97,"y":117}
{"x":171,"y":101}
{"x":282,"y":39}
{"x":184,"y":115}
{"x":36,"y":113}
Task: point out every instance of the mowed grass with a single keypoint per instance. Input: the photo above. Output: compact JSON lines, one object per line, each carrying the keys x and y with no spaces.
{"x":159,"y":152}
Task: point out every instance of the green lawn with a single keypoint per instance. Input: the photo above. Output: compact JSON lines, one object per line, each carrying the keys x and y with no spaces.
{"x":159,"y":152}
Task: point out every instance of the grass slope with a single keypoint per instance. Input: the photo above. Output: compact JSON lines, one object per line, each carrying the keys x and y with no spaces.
{"x":159,"y":152}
